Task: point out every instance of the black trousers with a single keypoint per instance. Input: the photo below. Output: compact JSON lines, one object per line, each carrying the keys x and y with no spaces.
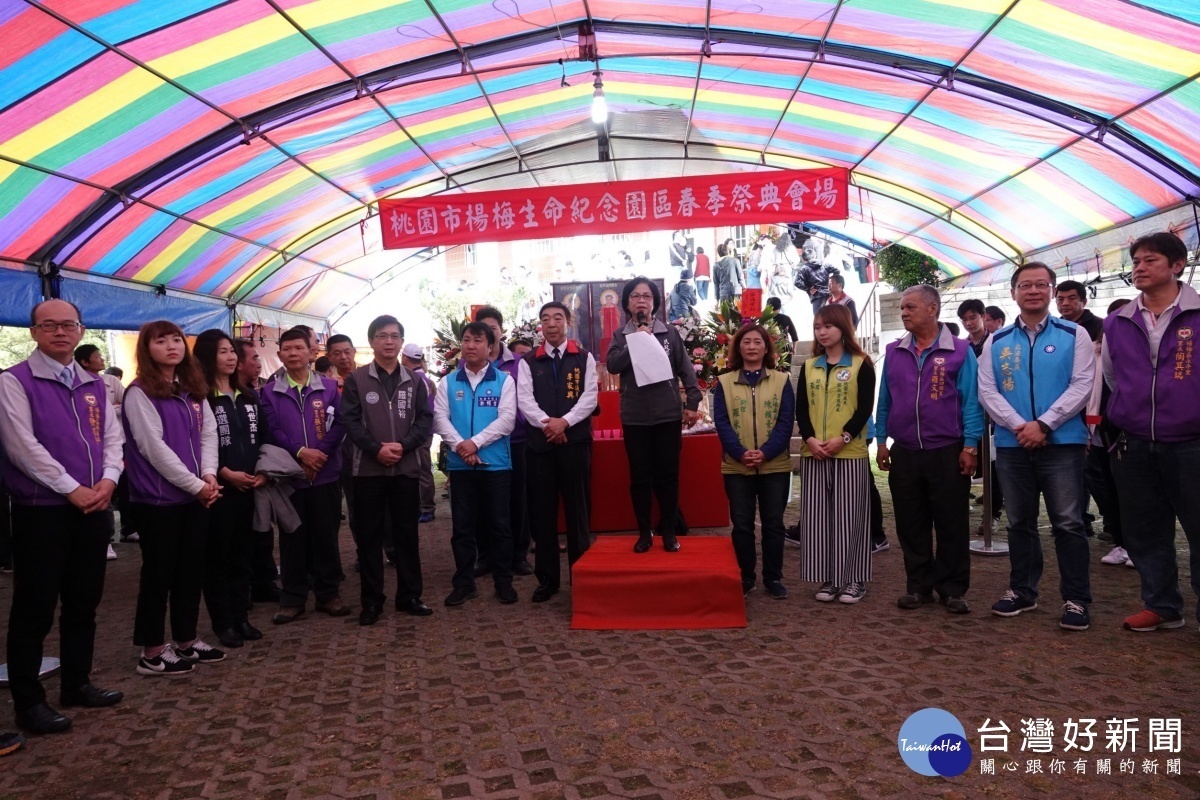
{"x":173,"y":548}
{"x":263,"y":570}
{"x":346,"y":483}
{"x":480,"y":497}
{"x":58,"y":552}
{"x":388,"y":509}
{"x":518,"y":511}
{"x":653,"y":452}
{"x":564,"y":471}
{"x":227,"y":558}
{"x":1097,"y":474}
{"x":878,"y":535}
{"x":930,"y":499}
{"x":5,"y":528}
{"x":312,"y":549}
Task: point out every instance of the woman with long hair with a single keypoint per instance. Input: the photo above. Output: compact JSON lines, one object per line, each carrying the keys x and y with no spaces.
{"x":240,"y":431}
{"x":651,"y":414}
{"x":833,"y":404}
{"x":753,"y":409}
{"x":171,"y":464}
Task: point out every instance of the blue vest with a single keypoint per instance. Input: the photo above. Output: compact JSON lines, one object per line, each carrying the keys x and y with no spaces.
{"x":1031,"y":377}
{"x":472,"y":410}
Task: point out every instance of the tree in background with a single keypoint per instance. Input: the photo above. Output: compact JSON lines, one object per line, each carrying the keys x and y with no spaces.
{"x":904,"y":267}
{"x":16,"y":344}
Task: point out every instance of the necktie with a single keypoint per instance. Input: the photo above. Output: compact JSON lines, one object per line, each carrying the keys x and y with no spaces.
{"x":557,"y":357}
{"x":67,"y":376}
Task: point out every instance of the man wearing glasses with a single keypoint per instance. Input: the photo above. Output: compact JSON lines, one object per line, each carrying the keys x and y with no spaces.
{"x":1035,"y":377}
{"x":64,"y":443}
{"x":386,"y":414}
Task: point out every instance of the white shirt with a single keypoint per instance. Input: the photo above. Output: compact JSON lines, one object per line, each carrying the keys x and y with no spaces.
{"x":583,"y":407}
{"x":147,"y":429}
{"x":1069,"y":403}
{"x":28,"y":454}
{"x":500,"y":427}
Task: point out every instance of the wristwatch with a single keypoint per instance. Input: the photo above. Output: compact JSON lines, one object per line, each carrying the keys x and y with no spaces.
{"x":1045,"y":428}
{"x":846,"y":437}
{"x":974,"y":451}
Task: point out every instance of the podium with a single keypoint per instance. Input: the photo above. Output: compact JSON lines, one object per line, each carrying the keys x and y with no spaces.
{"x":697,"y":588}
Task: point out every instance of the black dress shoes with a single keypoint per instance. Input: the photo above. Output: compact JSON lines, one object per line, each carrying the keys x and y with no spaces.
{"x":369,"y":615}
{"x":543,"y":593}
{"x":90,"y":696}
{"x":415,"y":607}
{"x":506,"y":594}
{"x":42,"y":719}
{"x":249,"y":632}
{"x":482,"y":568}
{"x":670,"y":543}
{"x":643,"y":543}
{"x":522,"y":567}
{"x":230,"y":637}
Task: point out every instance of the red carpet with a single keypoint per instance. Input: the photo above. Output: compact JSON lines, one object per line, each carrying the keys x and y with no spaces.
{"x":614,"y":588}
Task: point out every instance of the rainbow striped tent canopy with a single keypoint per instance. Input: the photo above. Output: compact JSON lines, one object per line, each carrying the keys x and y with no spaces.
{"x":237,"y":148}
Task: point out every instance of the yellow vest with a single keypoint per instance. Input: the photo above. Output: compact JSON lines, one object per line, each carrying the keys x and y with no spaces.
{"x":831,"y":404}
{"x":753,"y":411}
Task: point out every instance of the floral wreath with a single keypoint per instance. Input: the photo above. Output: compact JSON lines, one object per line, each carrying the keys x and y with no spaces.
{"x":707,"y":341}
{"x":447,"y":342}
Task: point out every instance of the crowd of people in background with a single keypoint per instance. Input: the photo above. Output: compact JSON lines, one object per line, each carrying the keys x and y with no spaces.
{"x":206,"y":458}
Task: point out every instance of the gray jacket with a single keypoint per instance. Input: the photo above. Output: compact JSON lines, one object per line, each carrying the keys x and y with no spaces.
{"x":273,"y":502}
{"x":372,"y":417}
{"x":658,"y":402}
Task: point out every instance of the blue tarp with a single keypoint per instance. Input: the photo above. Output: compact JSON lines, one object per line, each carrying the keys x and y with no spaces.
{"x":21,"y":292}
{"x":106,"y":306}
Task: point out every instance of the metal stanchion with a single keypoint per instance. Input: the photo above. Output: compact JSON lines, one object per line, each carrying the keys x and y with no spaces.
{"x":985,"y":546}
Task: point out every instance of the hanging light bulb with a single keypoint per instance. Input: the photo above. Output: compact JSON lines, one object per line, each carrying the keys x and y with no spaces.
{"x":599,"y":104}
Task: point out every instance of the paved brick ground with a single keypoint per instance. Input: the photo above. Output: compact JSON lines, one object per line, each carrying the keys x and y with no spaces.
{"x":504,"y":701}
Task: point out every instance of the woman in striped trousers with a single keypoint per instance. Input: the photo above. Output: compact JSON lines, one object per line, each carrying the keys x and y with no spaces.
{"x":835,"y":393}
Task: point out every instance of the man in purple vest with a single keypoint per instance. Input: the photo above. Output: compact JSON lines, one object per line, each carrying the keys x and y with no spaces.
{"x":303,"y":412}
{"x":557,"y":392}
{"x":505,"y":361}
{"x":929,"y":406}
{"x":64,"y":443}
{"x":1154,"y":424}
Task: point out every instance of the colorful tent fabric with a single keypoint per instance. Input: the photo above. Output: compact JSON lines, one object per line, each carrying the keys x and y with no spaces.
{"x":235,"y":148}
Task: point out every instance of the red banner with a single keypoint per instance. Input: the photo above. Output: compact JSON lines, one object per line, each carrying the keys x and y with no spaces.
{"x":705,"y":201}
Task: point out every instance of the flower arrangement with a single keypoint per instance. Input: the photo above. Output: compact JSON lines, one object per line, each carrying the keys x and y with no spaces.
{"x":447,"y":346}
{"x":529,"y":330}
{"x":707,"y":342}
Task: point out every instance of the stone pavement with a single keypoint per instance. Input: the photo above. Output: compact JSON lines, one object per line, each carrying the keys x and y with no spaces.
{"x":504,"y":701}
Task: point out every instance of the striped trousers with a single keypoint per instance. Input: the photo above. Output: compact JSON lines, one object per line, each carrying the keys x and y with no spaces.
{"x":835,"y":520}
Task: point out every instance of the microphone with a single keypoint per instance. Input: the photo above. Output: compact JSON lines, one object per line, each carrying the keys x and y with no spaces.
{"x":641,"y":318}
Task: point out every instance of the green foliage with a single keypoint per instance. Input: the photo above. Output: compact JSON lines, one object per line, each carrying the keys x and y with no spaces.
{"x":443,"y":303}
{"x":904,"y":267}
{"x":16,"y":344}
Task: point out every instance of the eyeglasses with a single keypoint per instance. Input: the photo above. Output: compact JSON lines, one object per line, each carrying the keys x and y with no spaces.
{"x":1041,"y":286}
{"x":641,"y":296}
{"x":388,"y":337}
{"x":51,"y":327}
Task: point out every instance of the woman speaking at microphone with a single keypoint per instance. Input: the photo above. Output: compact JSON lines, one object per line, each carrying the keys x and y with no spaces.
{"x":650,"y":359}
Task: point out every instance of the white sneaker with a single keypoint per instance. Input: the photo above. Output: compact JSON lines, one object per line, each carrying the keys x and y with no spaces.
{"x":112,"y":554}
{"x":1116,"y":556}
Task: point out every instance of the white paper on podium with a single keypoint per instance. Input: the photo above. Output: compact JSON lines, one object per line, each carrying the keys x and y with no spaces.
{"x":650,"y":362}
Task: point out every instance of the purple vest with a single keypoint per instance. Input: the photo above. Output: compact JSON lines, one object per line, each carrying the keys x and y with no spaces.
{"x":1156,"y":404}
{"x":69,"y":423}
{"x":509,"y":368}
{"x":182,"y":419}
{"x":926,"y":409}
